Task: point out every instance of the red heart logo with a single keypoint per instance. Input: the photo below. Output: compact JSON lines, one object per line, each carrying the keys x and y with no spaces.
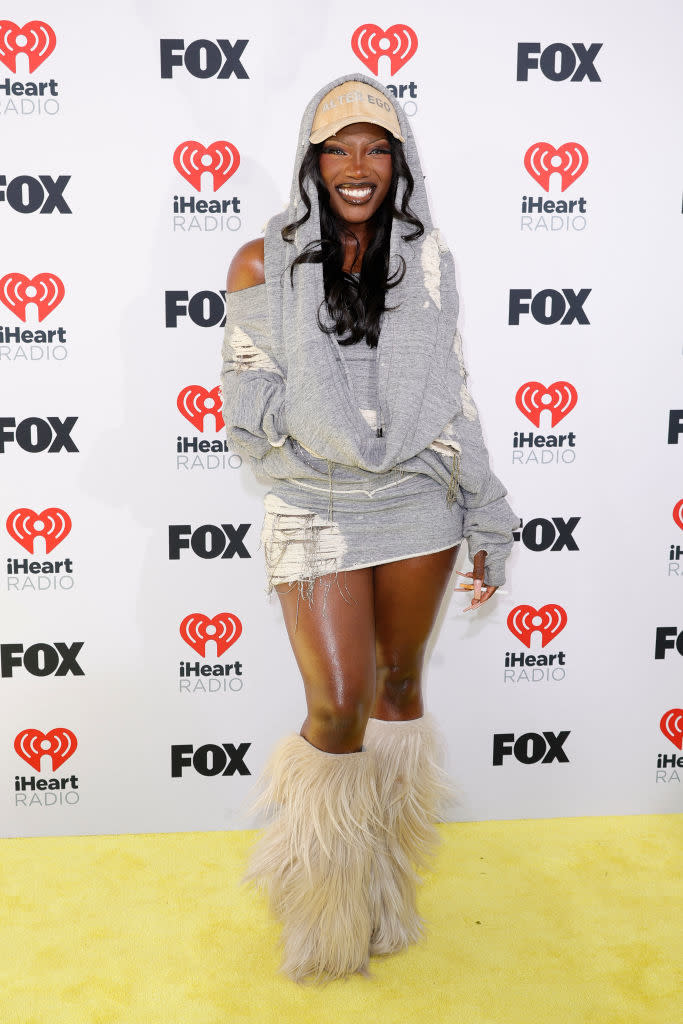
{"x":220,"y":159}
{"x":17,"y":291}
{"x":195,"y":402}
{"x":197,"y":629}
{"x":569,"y":160}
{"x":370,"y":42}
{"x":671,"y":725}
{"x":54,"y":524}
{"x":36,"y":39}
{"x":678,"y":513}
{"x":548,"y":620}
{"x":532,"y":398}
{"x":59,"y":744}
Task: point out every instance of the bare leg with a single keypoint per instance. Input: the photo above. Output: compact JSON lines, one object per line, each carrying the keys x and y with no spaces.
{"x":407,"y":594}
{"x":335,"y":652}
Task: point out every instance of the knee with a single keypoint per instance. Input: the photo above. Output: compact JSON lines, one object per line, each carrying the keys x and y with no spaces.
{"x":399,"y":684}
{"x":338,"y":723}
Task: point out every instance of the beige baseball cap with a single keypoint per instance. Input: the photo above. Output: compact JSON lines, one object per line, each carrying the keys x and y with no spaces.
{"x":351,"y":102}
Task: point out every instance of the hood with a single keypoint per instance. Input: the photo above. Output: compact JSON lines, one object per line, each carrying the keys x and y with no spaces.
{"x":418,"y":201}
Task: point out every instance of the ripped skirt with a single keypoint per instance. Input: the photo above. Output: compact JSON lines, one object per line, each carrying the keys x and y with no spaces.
{"x":305,"y":536}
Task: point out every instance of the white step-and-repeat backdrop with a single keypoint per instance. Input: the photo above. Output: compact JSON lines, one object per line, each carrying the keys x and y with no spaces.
{"x":129,"y":532}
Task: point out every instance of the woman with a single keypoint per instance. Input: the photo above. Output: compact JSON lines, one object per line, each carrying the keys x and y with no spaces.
{"x":344,"y":386}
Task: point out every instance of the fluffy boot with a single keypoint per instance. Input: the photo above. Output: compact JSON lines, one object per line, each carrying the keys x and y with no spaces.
{"x":412,"y":788}
{"x":313,"y":860}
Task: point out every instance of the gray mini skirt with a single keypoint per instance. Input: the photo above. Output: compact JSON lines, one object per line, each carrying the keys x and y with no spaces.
{"x":303,"y":540}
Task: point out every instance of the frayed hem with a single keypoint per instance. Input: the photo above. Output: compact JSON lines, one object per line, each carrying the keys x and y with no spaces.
{"x":301,"y":547}
{"x":306,"y":589}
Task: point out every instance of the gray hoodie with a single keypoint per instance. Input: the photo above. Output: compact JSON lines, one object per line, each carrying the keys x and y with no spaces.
{"x":286,"y":394}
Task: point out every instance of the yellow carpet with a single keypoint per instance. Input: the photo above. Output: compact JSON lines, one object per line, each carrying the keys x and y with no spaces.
{"x":531,"y":922}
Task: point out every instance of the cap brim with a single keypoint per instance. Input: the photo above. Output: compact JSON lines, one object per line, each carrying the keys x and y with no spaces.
{"x":331,"y":129}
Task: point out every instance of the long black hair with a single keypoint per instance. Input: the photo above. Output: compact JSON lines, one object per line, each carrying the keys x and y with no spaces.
{"x":355,"y":305}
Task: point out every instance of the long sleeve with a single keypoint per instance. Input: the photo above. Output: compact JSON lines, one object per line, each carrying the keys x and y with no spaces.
{"x":488,"y":520}
{"x":252,"y":383}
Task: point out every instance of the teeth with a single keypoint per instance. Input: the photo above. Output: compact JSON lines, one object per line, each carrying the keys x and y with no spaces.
{"x":356,"y":193}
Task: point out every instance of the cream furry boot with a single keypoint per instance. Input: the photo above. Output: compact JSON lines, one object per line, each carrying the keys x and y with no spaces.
{"x":314,"y":857}
{"x":412,"y":787}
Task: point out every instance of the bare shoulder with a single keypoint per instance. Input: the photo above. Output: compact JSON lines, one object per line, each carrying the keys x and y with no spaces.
{"x":246,"y":269}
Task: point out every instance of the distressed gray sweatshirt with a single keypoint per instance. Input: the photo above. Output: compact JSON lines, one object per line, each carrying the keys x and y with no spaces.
{"x":286,"y":395}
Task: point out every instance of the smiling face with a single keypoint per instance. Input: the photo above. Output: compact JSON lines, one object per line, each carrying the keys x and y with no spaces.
{"x":356,"y":167}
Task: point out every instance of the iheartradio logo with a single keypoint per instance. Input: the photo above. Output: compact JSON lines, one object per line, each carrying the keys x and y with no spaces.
{"x":671,"y":725}
{"x":370,"y":42}
{"x":678,"y":513}
{"x":197,"y":629}
{"x":36,"y":39}
{"x":548,"y":621}
{"x":25,"y":525}
{"x":532,"y":398}
{"x":219,"y":159}
{"x":58,"y":744}
{"x":45,"y":291}
{"x":569,"y":160}
{"x":195,"y":402}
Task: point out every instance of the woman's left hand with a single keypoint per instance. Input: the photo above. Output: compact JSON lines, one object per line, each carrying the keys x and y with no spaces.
{"x":480,"y":593}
